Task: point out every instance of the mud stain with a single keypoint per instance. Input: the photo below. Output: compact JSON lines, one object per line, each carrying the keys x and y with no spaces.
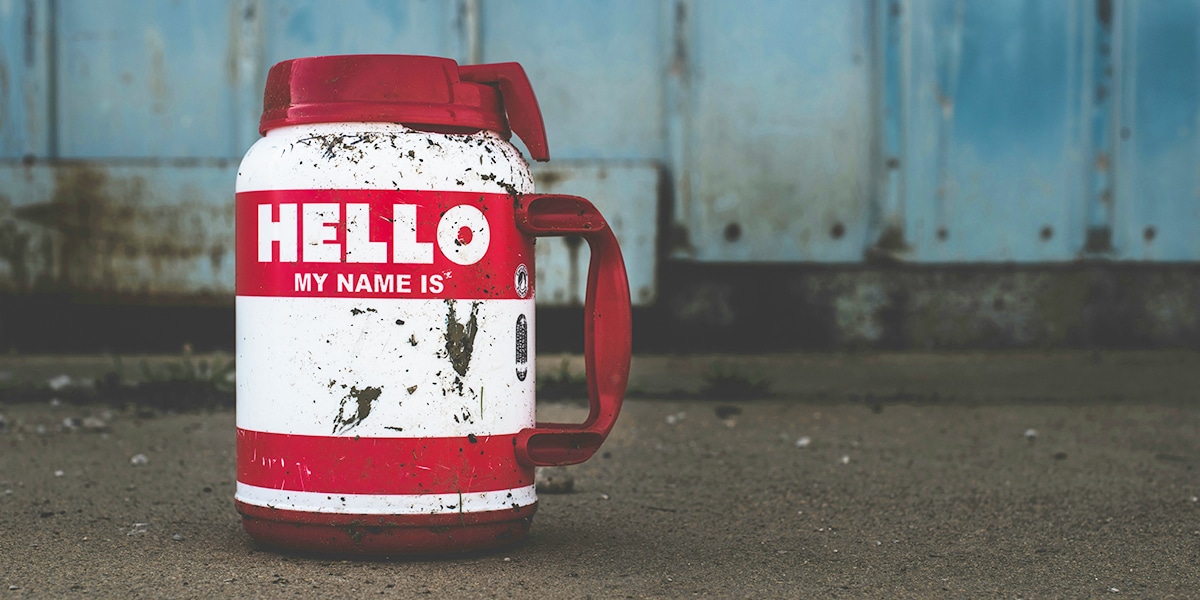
{"x":460,"y":339}
{"x":349,"y":147}
{"x":157,"y":77}
{"x":363,"y":399}
{"x":101,"y":233}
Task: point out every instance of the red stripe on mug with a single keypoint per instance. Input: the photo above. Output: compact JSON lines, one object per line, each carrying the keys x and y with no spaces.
{"x":380,"y":244}
{"x":353,"y":465}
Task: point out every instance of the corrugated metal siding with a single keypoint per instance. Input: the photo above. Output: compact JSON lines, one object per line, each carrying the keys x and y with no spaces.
{"x":25,"y":107}
{"x":1156,"y":204}
{"x":778,"y":131}
{"x":925,"y":131}
{"x":143,"y":80}
{"x":994,"y":151}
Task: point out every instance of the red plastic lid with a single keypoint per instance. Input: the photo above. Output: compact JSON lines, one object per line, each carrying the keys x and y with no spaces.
{"x":421,"y":91}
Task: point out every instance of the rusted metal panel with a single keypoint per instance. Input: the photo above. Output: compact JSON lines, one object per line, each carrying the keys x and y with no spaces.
{"x":138,"y":79}
{"x":1156,"y":138}
{"x":117,"y":230}
{"x":778,"y":142}
{"x":626,"y":194}
{"x":26,"y":46}
{"x":996,"y":121}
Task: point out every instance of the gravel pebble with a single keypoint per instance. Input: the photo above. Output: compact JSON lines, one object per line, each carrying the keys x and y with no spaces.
{"x":59,"y":382}
{"x":95,"y":425}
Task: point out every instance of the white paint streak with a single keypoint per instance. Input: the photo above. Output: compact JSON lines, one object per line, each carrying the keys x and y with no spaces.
{"x":386,"y":504}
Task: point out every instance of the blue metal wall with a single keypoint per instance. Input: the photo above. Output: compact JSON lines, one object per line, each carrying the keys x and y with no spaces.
{"x":792,"y":131}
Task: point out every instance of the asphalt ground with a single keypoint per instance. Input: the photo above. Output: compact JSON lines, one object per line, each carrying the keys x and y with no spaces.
{"x":1012,"y":475}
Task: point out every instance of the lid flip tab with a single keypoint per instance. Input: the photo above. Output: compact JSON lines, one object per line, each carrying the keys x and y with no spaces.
{"x":419,"y":91}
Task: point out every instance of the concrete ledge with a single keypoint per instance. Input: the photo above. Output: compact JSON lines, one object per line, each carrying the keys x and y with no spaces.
{"x":785,"y":307}
{"x":1060,"y":376}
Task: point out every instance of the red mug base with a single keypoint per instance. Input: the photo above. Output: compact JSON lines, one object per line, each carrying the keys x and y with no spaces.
{"x":397,"y":535}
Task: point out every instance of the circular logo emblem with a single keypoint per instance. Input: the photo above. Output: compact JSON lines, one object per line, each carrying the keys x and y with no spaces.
{"x":521,"y":280}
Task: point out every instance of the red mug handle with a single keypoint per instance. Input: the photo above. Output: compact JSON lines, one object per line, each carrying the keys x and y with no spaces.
{"x":607,"y":329}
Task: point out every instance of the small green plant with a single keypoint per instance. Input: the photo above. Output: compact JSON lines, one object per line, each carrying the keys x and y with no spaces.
{"x":724,"y":381}
{"x":219,"y":372}
{"x":186,"y":383}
